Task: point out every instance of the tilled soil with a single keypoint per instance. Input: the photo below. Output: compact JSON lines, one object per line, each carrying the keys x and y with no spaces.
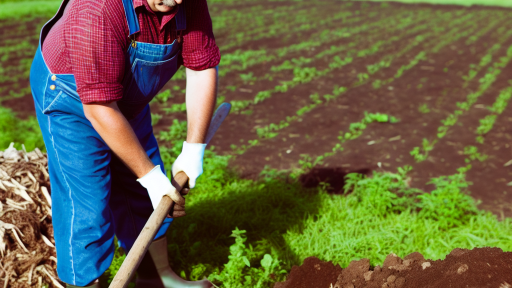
{"x":435,"y":82}
{"x":317,"y":131}
{"x":480,"y":267}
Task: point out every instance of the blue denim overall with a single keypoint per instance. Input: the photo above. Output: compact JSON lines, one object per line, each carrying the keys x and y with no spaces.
{"x":95,"y":196}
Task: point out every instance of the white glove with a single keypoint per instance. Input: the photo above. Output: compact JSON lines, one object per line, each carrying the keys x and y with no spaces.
{"x":159,"y":185}
{"x":190,"y":161}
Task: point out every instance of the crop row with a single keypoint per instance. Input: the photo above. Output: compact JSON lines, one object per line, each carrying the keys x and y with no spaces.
{"x":355,"y":130}
{"x":397,"y":23}
{"x":306,"y":74}
{"x":331,"y":33}
{"x":249,"y":58}
{"x":485,"y":82}
{"x":451,"y":37}
{"x":237,"y":17}
{"x":403,"y":26}
{"x":303,"y":75}
{"x":496,"y":109}
{"x":475,"y":68}
{"x":270,"y":130}
{"x":283,"y":29}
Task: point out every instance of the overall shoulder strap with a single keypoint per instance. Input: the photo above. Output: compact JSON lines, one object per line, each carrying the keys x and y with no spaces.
{"x":181,"y":17}
{"x":131,"y":17}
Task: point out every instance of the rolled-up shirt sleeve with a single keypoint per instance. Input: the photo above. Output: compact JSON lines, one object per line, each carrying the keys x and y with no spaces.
{"x":96,"y":54}
{"x":200,"y":51}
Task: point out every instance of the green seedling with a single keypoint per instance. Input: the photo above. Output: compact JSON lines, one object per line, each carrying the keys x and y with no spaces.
{"x":421,"y":155}
{"x":249,"y":77}
{"x":176,"y":108}
{"x":155,"y":118}
{"x":238,"y":271}
{"x":239,"y":105}
{"x":473,"y":154}
{"x":362,"y":77}
{"x":485,"y":126}
{"x":163,"y":96}
{"x":423,"y":109}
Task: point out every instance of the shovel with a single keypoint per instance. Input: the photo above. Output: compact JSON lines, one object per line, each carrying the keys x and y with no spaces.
{"x":140,"y":247}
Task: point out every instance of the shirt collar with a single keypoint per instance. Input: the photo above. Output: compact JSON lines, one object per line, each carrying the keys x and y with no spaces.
{"x":138,"y":3}
{"x":165,"y":19}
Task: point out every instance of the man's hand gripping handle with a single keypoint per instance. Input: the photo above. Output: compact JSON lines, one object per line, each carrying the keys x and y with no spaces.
{"x":149,"y":231}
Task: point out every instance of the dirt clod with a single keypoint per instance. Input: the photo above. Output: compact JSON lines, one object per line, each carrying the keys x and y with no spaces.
{"x":356,"y":268}
{"x":367,"y":275}
{"x":354,"y":273}
{"x":457,"y":252}
{"x":392,"y":260}
{"x":391,"y":278}
{"x":425,"y":265}
{"x":307,"y":275}
{"x":400,"y":282}
{"x":463,"y":268}
{"x":414,"y":257}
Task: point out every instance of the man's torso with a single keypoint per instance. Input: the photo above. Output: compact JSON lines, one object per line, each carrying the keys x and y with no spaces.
{"x":91,"y":38}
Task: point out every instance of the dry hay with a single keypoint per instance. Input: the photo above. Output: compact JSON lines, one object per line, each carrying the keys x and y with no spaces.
{"x":27,"y":248}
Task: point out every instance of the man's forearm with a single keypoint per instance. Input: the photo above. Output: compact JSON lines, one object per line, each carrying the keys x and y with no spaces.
{"x":115,"y":130}
{"x":200,"y":98}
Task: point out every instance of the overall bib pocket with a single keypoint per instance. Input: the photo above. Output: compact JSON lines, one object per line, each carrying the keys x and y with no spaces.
{"x":147,"y":78}
{"x":50,"y":102}
{"x":61,"y":99}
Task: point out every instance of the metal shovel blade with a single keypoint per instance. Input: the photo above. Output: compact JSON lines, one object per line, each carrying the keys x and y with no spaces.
{"x":219,"y":116}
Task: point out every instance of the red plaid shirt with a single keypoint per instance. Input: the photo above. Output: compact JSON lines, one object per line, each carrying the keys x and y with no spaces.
{"x":91,"y":39}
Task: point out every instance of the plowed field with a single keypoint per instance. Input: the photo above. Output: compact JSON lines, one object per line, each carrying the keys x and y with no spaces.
{"x":302,"y":72}
{"x":299,"y":73}
{"x":334,"y":87}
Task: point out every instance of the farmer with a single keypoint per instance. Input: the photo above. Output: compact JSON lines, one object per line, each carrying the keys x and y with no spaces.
{"x":98,"y":65}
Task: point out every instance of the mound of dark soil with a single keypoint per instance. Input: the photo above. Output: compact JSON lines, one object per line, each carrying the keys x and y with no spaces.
{"x":480,"y":267}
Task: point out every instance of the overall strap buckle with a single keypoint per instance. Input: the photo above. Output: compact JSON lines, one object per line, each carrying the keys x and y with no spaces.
{"x":134,"y":43}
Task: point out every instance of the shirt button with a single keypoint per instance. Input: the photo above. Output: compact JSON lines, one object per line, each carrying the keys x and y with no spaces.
{"x":52,"y":87}
{"x":54,"y":77}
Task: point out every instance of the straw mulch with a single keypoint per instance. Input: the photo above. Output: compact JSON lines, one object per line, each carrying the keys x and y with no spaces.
{"x":27,"y":248}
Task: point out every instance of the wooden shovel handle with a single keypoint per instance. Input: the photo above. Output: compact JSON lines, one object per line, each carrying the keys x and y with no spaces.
{"x":140,"y":247}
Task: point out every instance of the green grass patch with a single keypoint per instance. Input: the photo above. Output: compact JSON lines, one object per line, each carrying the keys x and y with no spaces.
{"x":13,"y":129}
{"x":21,"y":9}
